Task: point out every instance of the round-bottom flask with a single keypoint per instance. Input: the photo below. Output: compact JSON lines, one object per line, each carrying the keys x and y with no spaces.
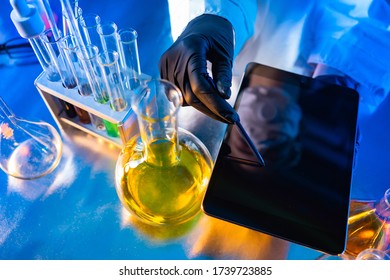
{"x":28,"y":150}
{"x":162,"y":173}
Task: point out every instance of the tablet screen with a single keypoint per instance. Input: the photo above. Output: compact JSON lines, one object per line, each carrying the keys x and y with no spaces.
{"x":305,"y":130}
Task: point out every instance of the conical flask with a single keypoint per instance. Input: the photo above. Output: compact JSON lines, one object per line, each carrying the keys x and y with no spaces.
{"x":162,"y":173}
{"x":368,"y":226}
{"x":28,"y":150}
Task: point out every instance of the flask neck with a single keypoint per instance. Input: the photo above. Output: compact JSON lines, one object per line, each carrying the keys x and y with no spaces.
{"x":160,"y":139}
{"x":157,"y":104}
{"x":5,"y":112}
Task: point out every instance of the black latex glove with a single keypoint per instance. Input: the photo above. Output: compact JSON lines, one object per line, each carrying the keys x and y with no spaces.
{"x":207,"y":37}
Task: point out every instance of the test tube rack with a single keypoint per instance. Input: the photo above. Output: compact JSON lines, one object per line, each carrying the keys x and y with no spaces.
{"x":53,"y":92}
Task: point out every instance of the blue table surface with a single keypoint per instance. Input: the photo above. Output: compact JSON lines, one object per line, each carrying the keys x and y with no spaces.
{"x":74,"y":212}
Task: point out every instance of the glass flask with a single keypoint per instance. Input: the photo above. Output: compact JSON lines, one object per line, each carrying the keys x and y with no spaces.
{"x":28,"y":150}
{"x":368,"y":226}
{"x":373,"y":254}
{"x":162,"y":173}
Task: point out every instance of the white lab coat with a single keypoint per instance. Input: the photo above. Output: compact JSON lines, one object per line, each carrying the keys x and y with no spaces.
{"x":352,"y":36}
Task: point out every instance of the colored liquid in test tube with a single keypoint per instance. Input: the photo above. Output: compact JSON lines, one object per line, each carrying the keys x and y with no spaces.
{"x":111,"y":128}
{"x":112,"y":80}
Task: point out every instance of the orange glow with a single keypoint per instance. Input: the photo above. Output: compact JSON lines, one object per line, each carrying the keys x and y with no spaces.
{"x":219,"y":239}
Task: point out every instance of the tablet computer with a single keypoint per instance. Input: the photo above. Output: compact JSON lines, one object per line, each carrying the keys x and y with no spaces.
{"x":305,"y":130}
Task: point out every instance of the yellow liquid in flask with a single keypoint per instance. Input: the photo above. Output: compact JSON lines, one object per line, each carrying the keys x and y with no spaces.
{"x":365,"y":230}
{"x":163,"y":194}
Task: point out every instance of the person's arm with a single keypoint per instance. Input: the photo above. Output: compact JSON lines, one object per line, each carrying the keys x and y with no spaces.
{"x":209,"y":37}
{"x":241,"y":14}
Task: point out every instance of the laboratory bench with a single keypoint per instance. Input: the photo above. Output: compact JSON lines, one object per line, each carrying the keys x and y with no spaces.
{"x":75,"y":213}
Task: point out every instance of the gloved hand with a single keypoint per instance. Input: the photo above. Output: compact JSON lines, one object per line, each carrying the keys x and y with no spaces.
{"x":207,"y":37}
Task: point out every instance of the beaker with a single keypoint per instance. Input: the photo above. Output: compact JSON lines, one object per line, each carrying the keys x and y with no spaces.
{"x":162,"y":173}
{"x":28,"y":150}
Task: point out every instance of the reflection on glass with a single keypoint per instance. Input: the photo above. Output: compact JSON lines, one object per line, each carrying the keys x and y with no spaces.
{"x":272,"y":118}
{"x":217,"y":239}
{"x":305,"y":130}
{"x":156,"y":233}
{"x":58,"y":180}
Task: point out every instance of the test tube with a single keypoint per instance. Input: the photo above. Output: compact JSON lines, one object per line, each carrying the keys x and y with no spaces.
{"x":109,"y":63}
{"x":108,"y":36}
{"x":68,"y":12}
{"x":53,"y":47}
{"x":111,"y":128}
{"x":69,"y":109}
{"x":113,"y":84}
{"x":48,"y":64}
{"x":30,"y":25}
{"x":88,"y":58}
{"x":69,"y":47}
{"x":77,"y":13}
{"x":89,"y":23}
{"x":129,"y":59}
{"x":83,"y":115}
{"x":51,"y":19}
{"x":97,"y":122}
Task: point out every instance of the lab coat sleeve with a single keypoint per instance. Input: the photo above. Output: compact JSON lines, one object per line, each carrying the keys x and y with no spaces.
{"x":353,"y":37}
{"x":242,"y":15}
